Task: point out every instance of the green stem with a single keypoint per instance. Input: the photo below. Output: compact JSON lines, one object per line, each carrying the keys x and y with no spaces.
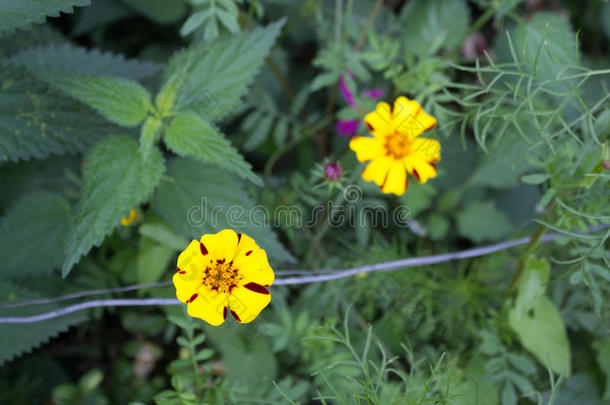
{"x":531,"y":246}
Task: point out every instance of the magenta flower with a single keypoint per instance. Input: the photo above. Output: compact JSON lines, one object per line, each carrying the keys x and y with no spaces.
{"x":348,"y":128}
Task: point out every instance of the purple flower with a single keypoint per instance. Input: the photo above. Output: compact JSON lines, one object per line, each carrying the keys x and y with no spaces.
{"x":333,"y":171}
{"x":347,"y":94}
{"x":373,"y":93}
{"x":347,"y":128}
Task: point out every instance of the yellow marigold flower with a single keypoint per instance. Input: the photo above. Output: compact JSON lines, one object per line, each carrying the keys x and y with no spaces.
{"x":133,"y":216}
{"x":221,"y":273}
{"x":395,"y":147}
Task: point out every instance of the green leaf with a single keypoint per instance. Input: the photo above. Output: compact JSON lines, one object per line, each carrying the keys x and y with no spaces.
{"x":189,"y":135}
{"x":543,"y":333}
{"x":212,"y":77}
{"x":482,"y":221}
{"x":121,"y":101}
{"x":22,"y":13}
{"x":115,"y":179}
{"x":161,"y":233}
{"x":38,"y":222}
{"x":532,"y":284}
{"x":535,"y":178}
{"x":70,"y":59}
{"x":428,"y":23}
{"x":198,"y":199}
{"x":37,"y":121}
{"x":153,"y":260}
{"x":16,"y":339}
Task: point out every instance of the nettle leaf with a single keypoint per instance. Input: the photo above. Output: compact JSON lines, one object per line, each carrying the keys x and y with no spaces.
{"x":122,"y":101}
{"x":23,"y":13}
{"x":210,"y":78}
{"x":16,"y":339}
{"x":197,"y":199}
{"x":38,"y":222}
{"x":431,"y":24}
{"x":482,"y":221}
{"x":189,"y":135}
{"x":70,"y":59}
{"x":543,"y":333}
{"x":37,"y":121}
{"x":115,"y":179}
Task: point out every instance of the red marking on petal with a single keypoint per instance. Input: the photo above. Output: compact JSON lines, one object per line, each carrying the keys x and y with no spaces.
{"x":204,"y":250}
{"x":182,"y":272}
{"x":416,"y":175}
{"x":257,"y":288}
{"x":248,"y":253}
{"x":238,"y":238}
{"x":220,"y":261}
{"x":224,"y":312}
{"x":369,"y":127}
{"x":235,"y":316}
{"x":193,"y":297}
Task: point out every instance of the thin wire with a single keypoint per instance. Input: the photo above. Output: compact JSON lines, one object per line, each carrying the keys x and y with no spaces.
{"x":336,"y":274}
{"x":84,"y":294}
{"x":90,"y":304}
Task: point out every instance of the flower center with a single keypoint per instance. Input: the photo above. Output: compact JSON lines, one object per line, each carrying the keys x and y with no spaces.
{"x":398,"y":145}
{"x":221,"y":276}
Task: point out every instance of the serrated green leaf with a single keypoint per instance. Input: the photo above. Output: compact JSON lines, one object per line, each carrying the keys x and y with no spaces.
{"x":430,"y":23}
{"x":115,"y":179}
{"x":189,"y":135}
{"x":37,"y":222}
{"x":213,"y":76}
{"x":37,"y":121}
{"x":482,"y":221}
{"x":23,"y":13}
{"x":16,"y":339}
{"x":198,"y":199}
{"x":122,"y":101}
{"x":70,"y":59}
{"x":543,"y":333}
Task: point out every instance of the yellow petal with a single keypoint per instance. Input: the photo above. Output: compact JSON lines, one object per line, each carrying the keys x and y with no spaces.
{"x":246,"y":304}
{"x":420,"y":169}
{"x":367,"y":148}
{"x":396,"y":181}
{"x":208,"y":305}
{"x":410,"y":119}
{"x":133,"y":215}
{"x":189,"y":274}
{"x":426,"y":149}
{"x":379,"y":122}
{"x":252,"y":263}
{"x":377,"y":170}
{"x":221,"y":245}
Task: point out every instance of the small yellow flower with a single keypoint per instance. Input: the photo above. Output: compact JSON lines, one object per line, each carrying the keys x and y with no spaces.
{"x":221,"y":273}
{"x":396,"y":148}
{"x":133,"y":216}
